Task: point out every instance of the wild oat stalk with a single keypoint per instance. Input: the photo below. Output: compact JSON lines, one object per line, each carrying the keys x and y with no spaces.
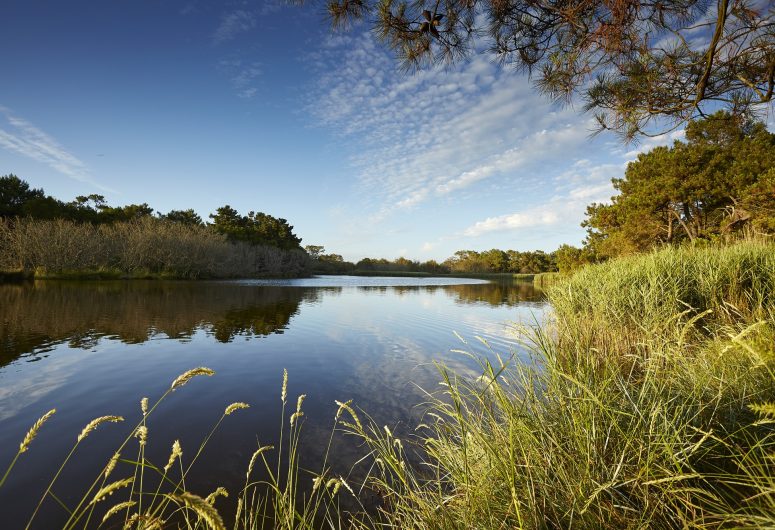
{"x":25,"y":444}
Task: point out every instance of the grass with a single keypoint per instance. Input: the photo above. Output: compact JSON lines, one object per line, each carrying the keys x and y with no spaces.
{"x":636,"y":413}
{"x":543,"y":280}
{"x":649,"y":403}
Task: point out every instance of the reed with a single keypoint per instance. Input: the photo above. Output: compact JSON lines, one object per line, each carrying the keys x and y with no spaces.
{"x":143,"y":248}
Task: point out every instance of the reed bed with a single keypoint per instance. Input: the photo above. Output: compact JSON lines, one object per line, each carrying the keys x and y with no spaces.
{"x":145,"y":247}
{"x":649,"y":403}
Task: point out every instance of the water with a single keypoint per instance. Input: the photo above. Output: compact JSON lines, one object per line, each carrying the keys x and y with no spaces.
{"x":92,"y":349}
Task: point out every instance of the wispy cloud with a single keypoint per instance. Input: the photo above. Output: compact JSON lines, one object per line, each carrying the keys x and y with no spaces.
{"x":22,"y":137}
{"x":434,"y":133}
{"x":232,"y":24}
{"x":243,"y":76}
{"x":584,"y":183}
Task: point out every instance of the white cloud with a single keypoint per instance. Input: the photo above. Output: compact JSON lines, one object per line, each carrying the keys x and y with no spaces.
{"x":655,"y":141}
{"x":437,"y":132}
{"x":541,"y":215}
{"x":22,"y":137}
{"x":584,"y":183}
{"x":232,"y":24}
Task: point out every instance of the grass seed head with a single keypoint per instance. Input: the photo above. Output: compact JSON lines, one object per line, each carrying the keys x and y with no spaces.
{"x":235,"y":406}
{"x":185,"y":377}
{"x":117,"y":508}
{"x":177,"y":452}
{"x":33,"y":432}
{"x":254,"y":457}
{"x":142,"y":434}
{"x":201,"y":507}
{"x":93,"y":424}
{"x":220,"y":491}
{"x":110,"y":488}
{"x":111,"y":464}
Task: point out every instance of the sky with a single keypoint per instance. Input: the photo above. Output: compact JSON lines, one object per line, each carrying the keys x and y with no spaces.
{"x":261,"y":106}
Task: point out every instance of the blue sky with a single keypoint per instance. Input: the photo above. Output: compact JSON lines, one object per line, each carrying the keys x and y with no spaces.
{"x":258,"y":105}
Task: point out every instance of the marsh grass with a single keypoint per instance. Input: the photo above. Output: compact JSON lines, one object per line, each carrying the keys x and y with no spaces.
{"x":648,"y":402}
{"x":142,"y":248}
{"x":638,"y":410}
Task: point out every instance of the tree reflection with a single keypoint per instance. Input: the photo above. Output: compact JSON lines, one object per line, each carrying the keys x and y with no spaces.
{"x":37,"y":316}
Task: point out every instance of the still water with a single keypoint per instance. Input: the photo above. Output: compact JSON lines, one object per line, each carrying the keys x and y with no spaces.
{"x":93,"y":349}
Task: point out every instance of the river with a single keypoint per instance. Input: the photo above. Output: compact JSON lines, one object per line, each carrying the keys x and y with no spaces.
{"x":90,"y":349}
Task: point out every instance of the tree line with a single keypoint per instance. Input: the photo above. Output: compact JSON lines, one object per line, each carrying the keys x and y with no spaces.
{"x":18,"y":199}
{"x":463,"y":261}
{"x":718,"y":184}
{"x":51,"y":238}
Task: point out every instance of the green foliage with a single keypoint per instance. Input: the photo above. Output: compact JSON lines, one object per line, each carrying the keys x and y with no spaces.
{"x":87,"y":213}
{"x":400,"y":265}
{"x":189,"y":217}
{"x":257,"y":228}
{"x":496,"y":260}
{"x":142,"y":247}
{"x":570,"y":258}
{"x":718,"y":183}
{"x":14,"y":193}
{"x":636,"y":412}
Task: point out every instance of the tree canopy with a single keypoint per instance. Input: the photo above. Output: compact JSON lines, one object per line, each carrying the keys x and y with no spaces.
{"x":632,"y":61}
{"x":719,"y":181}
{"x":255,"y":227}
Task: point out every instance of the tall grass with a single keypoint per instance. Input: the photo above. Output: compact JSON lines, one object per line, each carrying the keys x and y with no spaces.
{"x":636,"y":412}
{"x":649,"y":403}
{"x":139,"y":248}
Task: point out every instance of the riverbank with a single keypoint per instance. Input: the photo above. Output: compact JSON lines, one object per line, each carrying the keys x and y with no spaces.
{"x":647,"y":406}
{"x":645,"y":402}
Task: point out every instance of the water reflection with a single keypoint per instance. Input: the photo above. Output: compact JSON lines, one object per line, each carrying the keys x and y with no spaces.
{"x":34,"y":317}
{"x":99,"y":347}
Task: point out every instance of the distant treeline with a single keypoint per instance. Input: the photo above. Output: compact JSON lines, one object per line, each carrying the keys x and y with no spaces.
{"x":464,"y":261}
{"x":49,"y":237}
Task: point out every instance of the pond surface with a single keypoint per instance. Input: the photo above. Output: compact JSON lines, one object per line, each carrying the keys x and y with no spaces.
{"x":93,"y":349}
